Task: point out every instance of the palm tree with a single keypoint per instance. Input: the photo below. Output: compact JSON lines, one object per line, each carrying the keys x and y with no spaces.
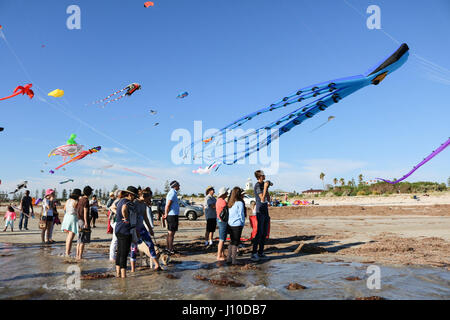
{"x":322,"y":175}
{"x":360,"y":178}
{"x":335,"y":181}
{"x":342,"y":181}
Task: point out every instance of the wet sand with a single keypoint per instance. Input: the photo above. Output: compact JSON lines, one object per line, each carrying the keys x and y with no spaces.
{"x":393,"y":235}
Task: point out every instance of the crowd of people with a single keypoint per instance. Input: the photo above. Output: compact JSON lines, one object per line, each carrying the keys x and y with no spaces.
{"x":130,"y":221}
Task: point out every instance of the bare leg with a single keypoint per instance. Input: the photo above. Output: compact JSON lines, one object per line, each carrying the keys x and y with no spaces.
{"x":118,"y":271}
{"x":220,"y":255}
{"x":69,"y":240}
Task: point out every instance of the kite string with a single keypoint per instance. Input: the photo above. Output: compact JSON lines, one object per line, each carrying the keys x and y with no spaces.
{"x":443,"y":74}
{"x":61,"y":107}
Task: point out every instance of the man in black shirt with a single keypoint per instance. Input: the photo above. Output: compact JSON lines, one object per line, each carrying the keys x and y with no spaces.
{"x":262,"y":215}
{"x":25,"y":205}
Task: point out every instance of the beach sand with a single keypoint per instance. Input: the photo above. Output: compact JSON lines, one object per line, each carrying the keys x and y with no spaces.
{"x":394,"y":230}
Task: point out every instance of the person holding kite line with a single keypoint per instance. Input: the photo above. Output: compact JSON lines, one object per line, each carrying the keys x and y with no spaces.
{"x":262,"y":214}
{"x":25,"y":205}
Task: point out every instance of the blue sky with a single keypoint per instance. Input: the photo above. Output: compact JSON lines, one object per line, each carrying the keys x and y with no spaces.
{"x":233,"y":57}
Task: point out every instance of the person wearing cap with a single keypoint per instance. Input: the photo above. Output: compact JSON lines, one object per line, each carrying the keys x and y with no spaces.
{"x":210,"y":215}
{"x":171,"y":212}
{"x":70,"y":221}
{"x":109,"y":228}
{"x":262,"y":199}
{"x":47,"y":215}
{"x":220,"y":205}
{"x":123,"y":229}
{"x":83,"y":221}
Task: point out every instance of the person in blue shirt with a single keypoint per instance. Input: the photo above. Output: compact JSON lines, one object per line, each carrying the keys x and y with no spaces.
{"x":171,"y":212}
{"x":236,"y":221}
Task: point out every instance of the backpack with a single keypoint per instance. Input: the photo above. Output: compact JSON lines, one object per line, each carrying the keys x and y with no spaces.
{"x":224,"y":214}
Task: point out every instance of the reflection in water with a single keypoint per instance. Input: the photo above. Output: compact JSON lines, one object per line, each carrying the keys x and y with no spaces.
{"x":36,"y":272}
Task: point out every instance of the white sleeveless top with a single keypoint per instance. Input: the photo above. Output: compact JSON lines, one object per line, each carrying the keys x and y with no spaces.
{"x":69,"y":207}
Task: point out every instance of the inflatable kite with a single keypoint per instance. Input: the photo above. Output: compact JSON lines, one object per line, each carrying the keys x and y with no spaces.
{"x":130,"y":89}
{"x":71,"y":140}
{"x":182,"y":95}
{"x":206,"y":170}
{"x":80,"y":156}
{"x":20,"y":186}
{"x":329,"y":119}
{"x":431,"y":156}
{"x":321,"y":97}
{"x":58,"y":93}
{"x":69,"y":150}
{"x":148,"y":4}
{"x":21,"y":90}
{"x":66,"y":181}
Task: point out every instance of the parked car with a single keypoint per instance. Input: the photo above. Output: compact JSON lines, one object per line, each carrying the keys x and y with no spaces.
{"x":191,"y":212}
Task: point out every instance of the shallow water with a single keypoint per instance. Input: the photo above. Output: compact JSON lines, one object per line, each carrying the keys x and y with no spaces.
{"x":37,"y":272}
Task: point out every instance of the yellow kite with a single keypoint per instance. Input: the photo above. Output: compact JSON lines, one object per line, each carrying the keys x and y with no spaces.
{"x":58,"y":93}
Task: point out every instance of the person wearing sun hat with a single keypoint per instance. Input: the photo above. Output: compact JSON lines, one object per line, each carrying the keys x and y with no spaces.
{"x":210,"y":215}
{"x":125,"y":222}
{"x":171,"y":213}
{"x":221,"y":203}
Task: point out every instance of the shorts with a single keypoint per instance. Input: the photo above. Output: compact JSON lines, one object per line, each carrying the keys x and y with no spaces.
{"x":83,"y":236}
{"x":211,"y":225}
{"x":172,"y":223}
{"x":94,"y":214}
{"x":222,"y":229}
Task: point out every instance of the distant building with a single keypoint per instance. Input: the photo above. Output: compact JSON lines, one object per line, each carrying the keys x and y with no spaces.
{"x":312,"y":192}
{"x":249,"y":184}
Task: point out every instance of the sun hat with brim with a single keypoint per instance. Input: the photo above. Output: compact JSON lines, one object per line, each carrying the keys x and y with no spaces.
{"x":134,"y":191}
{"x":111,"y":194}
{"x":209,"y":188}
{"x":222,"y":191}
{"x":49,"y":192}
{"x":174,"y":183}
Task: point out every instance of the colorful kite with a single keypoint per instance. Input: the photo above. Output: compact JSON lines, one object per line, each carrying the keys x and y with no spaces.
{"x":79,"y":157}
{"x":148,"y":4}
{"x":71,"y":139}
{"x":130,"y":89}
{"x":69,"y":150}
{"x":323,"y":95}
{"x":206,"y":170}
{"x":431,"y":156}
{"x":21,"y":90}
{"x":57,"y":93}
{"x":182,"y":95}
{"x":329,"y":119}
